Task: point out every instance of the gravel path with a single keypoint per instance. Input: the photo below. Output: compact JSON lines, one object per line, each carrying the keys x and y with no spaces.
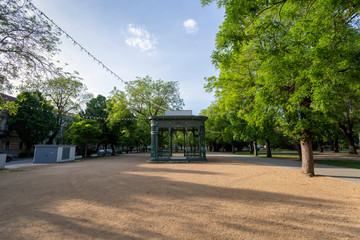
{"x":127,"y":198}
{"x":343,"y":173}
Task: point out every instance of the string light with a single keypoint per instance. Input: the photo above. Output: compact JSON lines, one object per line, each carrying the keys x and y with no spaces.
{"x":84,"y":117}
{"x":76,"y":43}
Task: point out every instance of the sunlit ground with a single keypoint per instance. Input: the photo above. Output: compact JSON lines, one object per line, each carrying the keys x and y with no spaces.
{"x":124,"y":197}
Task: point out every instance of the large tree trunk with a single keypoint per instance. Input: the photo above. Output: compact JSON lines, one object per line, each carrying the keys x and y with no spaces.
{"x":268,"y":149}
{"x":233,"y":147}
{"x":346,"y":129}
{"x":307,"y":165}
{"x":256,"y":153}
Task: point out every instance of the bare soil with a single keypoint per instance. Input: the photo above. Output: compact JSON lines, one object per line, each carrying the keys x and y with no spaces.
{"x":125,"y":197}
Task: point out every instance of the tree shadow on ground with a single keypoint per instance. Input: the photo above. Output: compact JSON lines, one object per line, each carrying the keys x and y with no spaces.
{"x":131,"y":201}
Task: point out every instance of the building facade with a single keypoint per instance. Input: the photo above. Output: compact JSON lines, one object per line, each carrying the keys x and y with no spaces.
{"x":10,"y":141}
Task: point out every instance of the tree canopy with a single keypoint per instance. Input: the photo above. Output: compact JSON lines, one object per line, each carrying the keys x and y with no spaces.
{"x":119,"y":132}
{"x":96,"y":107}
{"x":149,"y":97}
{"x":34,"y":119}
{"x":290,"y":60}
{"x":66,"y":93}
{"x":84,"y":132}
{"x":27,"y":42}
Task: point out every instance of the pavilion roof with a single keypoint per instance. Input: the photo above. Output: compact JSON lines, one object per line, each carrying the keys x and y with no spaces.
{"x":179,"y":117}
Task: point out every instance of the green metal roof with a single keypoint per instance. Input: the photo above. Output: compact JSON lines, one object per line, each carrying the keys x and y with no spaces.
{"x":178,"y":117}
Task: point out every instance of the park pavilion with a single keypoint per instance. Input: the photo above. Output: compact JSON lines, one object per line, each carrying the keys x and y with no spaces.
{"x":178,"y":136}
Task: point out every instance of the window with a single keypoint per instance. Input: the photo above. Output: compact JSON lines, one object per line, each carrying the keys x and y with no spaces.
{"x":21,"y":145}
{"x":3,"y":124}
{"x":7,"y":145}
{"x":66,"y":153}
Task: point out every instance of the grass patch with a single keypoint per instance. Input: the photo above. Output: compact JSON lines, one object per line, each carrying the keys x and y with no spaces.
{"x":294,"y":155}
{"x":274,"y":154}
{"x":341,"y":163}
{"x":285,"y":155}
{"x":16,"y":170}
{"x":11,"y":170}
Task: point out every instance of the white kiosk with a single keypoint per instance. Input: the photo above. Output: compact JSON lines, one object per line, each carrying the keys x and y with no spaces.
{"x":54,"y":153}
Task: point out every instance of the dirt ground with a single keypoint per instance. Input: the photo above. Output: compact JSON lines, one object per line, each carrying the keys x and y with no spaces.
{"x":127,"y":198}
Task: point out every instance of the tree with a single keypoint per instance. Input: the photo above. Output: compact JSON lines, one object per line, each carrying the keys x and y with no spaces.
{"x":151,"y":98}
{"x":27,"y":42}
{"x":146,"y":98}
{"x":288,"y":57}
{"x":66,"y":93}
{"x":142,"y":134}
{"x":34,"y":119}
{"x":9,"y":106}
{"x":83,"y":133}
{"x":120,"y":122}
{"x":96,"y":109}
{"x":218,"y":126}
{"x":346,"y":112}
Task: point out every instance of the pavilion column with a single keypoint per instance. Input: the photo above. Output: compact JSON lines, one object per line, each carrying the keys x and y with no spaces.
{"x":154,"y":141}
{"x":186,"y":141}
{"x":202,"y":139}
{"x":170,"y":141}
{"x":199,"y":145}
{"x":184,"y":144}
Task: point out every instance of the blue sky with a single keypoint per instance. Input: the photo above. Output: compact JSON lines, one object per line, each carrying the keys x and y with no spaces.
{"x":168,"y":39}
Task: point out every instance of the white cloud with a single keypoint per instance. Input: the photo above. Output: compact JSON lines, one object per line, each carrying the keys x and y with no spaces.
{"x":190,"y":26}
{"x":141,"y":39}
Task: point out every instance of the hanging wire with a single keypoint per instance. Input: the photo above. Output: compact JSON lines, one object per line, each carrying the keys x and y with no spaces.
{"x":39,"y":12}
{"x":100,"y":118}
{"x":84,"y":117}
{"x":82,"y":48}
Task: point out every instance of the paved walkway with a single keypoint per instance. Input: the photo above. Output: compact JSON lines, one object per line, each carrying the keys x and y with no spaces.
{"x":23,"y":163}
{"x":345,"y":174}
